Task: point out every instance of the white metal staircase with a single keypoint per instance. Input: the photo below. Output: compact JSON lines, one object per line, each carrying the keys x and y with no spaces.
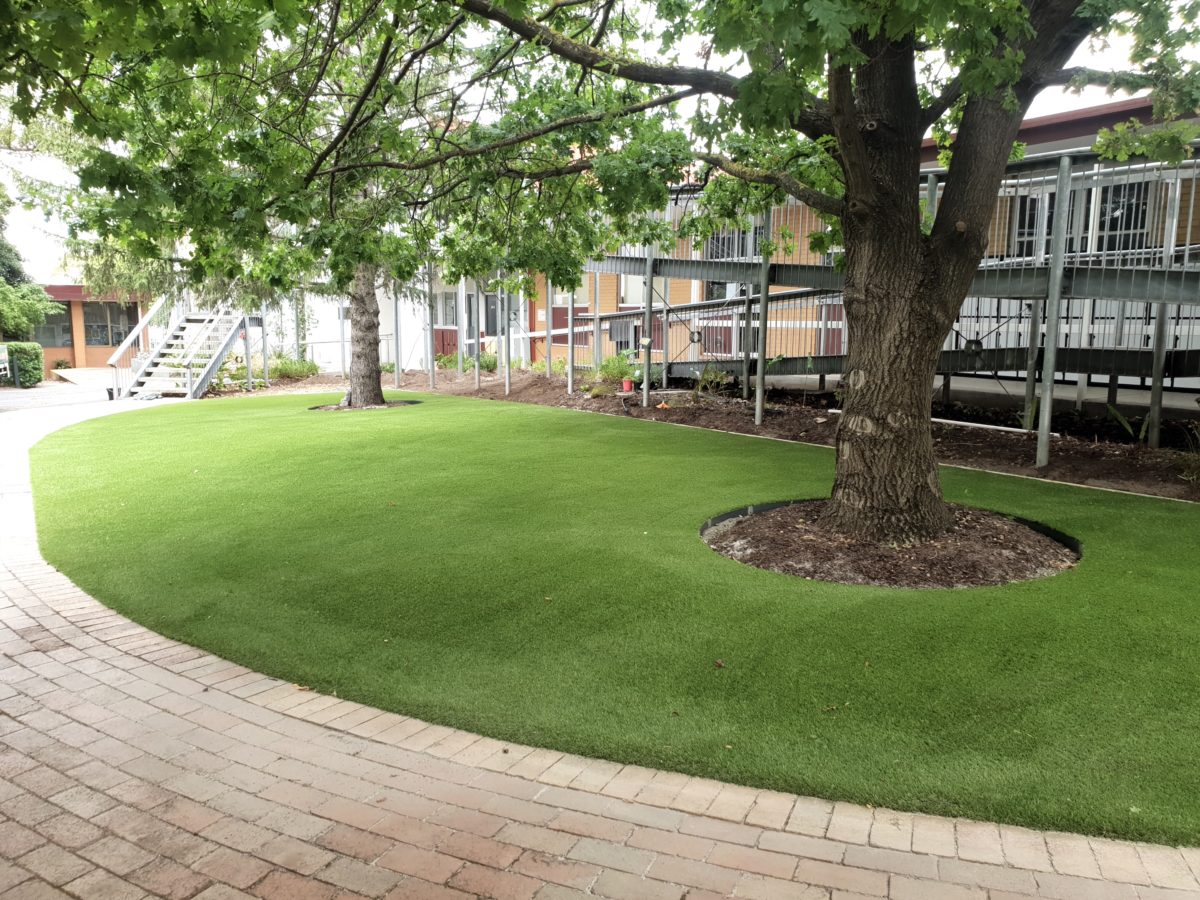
{"x":175,"y":350}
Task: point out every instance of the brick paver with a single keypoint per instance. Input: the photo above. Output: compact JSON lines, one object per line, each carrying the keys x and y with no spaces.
{"x":134,"y":766}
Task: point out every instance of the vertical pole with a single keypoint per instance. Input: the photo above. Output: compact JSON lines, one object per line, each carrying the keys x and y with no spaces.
{"x":1058,"y":248}
{"x":647,"y":326}
{"x":597,"y":337}
{"x":342,"y":335}
{"x":396,"y":339}
{"x":297,"y":304}
{"x":266,"y":354}
{"x":460,"y":303}
{"x":747,"y":338}
{"x":430,"y":345}
{"x":571,"y":343}
{"x":764,"y":281}
{"x":1085,"y":326}
{"x":246,"y":350}
{"x":1154,"y":426}
{"x":480,"y":310}
{"x":931,"y":192}
{"x":549,"y":327}
{"x":505,"y":304}
{"x":666,"y":331}
{"x":1171,"y":226}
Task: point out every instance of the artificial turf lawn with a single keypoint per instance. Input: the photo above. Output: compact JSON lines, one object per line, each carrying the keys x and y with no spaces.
{"x":536,"y":574}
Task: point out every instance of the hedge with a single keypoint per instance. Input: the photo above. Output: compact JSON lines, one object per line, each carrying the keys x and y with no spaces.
{"x":26,"y":358}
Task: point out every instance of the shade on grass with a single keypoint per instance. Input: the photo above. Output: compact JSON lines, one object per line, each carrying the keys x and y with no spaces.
{"x":537,"y":575}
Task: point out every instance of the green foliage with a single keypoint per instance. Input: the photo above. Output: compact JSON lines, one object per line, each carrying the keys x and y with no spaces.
{"x":60,"y":364}
{"x":27,"y":360}
{"x":712,"y":381}
{"x":389,"y":368}
{"x":22,"y":308}
{"x":12,"y":268}
{"x":447,"y":360}
{"x":615,"y":369}
{"x":1170,"y":143}
{"x":1137,"y":436}
{"x":559,"y":367}
{"x":290,"y":367}
{"x":487,"y":361}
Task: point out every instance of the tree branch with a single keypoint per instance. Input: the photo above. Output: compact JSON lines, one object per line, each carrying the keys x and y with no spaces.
{"x":811,"y":197}
{"x":372,"y":83}
{"x":514,"y":140}
{"x":1079,"y":76}
{"x":584,"y":54}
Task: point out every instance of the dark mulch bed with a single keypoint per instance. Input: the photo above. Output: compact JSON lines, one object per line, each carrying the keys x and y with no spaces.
{"x":983,"y":548}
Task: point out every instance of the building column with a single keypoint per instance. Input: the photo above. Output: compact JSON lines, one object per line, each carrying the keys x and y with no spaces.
{"x":78,"y":337}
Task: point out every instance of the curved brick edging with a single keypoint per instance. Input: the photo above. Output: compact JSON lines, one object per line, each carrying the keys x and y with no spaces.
{"x":131,"y":764}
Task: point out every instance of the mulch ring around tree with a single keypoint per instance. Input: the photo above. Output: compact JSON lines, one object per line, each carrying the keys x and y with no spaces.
{"x":983,"y":548}
{"x":338,"y":407}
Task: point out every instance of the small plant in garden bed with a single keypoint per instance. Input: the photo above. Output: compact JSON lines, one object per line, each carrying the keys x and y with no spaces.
{"x":290,"y":367}
{"x":558,"y":367}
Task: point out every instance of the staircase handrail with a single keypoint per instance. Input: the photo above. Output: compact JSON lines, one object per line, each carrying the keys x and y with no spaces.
{"x":136,"y":332}
{"x":197,"y":388}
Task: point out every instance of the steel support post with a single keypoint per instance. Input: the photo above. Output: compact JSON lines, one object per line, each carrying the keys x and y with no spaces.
{"x":1058,"y":247}
{"x":266,"y":355}
{"x":666,"y":331}
{"x":647,"y":327}
{"x":246,"y":349}
{"x":430,"y":343}
{"x":480,"y":318}
{"x":549,"y":327}
{"x":296,"y":306}
{"x":460,"y":315}
{"x":571,"y":343}
{"x":598,"y":346}
{"x":396,"y":340}
{"x":764,"y":311}
{"x":505,"y":304}
{"x":1161,"y":317}
{"x":747,"y":339}
{"x":342,"y":336}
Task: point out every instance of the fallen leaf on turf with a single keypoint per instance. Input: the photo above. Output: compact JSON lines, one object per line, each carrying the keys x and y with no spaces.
{"x":720,"y":664}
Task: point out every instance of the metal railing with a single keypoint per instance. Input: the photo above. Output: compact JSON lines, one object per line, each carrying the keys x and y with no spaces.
{"x":134,"y":353}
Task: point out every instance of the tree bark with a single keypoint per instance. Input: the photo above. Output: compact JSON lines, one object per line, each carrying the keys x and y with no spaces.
{"x":886,"y":485}
{"x":366,"y":388}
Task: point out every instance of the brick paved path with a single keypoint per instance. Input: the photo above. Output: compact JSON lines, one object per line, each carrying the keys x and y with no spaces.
{"x":132,"y":765}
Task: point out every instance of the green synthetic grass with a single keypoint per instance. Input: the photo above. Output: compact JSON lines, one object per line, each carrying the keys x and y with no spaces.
{"x":536,"y":574}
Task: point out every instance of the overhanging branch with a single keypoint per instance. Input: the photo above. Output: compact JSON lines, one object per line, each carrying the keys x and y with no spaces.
{"x":811,"y":197}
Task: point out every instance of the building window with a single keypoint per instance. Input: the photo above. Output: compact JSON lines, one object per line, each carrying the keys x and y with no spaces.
{"x":1124,"y":210}
{"x":56,"y":330}
{"x":446,"y":306}
{"x":108,"y":324}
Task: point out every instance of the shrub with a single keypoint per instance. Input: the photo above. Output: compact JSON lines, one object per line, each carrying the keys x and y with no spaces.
{"x":559,"y":367}
{"x":389,"y":368}
{"x":25,"y":358}
{"x":446,"y":360}
{"x":615,"y":369}
{"x":488,"y":361}
{"x":62,"y":364}
{"x":290,"y":367}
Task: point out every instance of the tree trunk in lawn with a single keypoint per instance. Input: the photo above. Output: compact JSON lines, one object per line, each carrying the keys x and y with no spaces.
{"x":903,"y":290}
{"x":366,"y":387}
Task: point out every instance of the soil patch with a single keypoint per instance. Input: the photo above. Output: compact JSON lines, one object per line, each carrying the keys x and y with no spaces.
{"x":983,"y":548}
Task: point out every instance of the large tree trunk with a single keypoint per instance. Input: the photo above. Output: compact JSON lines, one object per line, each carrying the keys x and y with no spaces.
{"x":366,"y":387}
{"x":886,"y":486}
